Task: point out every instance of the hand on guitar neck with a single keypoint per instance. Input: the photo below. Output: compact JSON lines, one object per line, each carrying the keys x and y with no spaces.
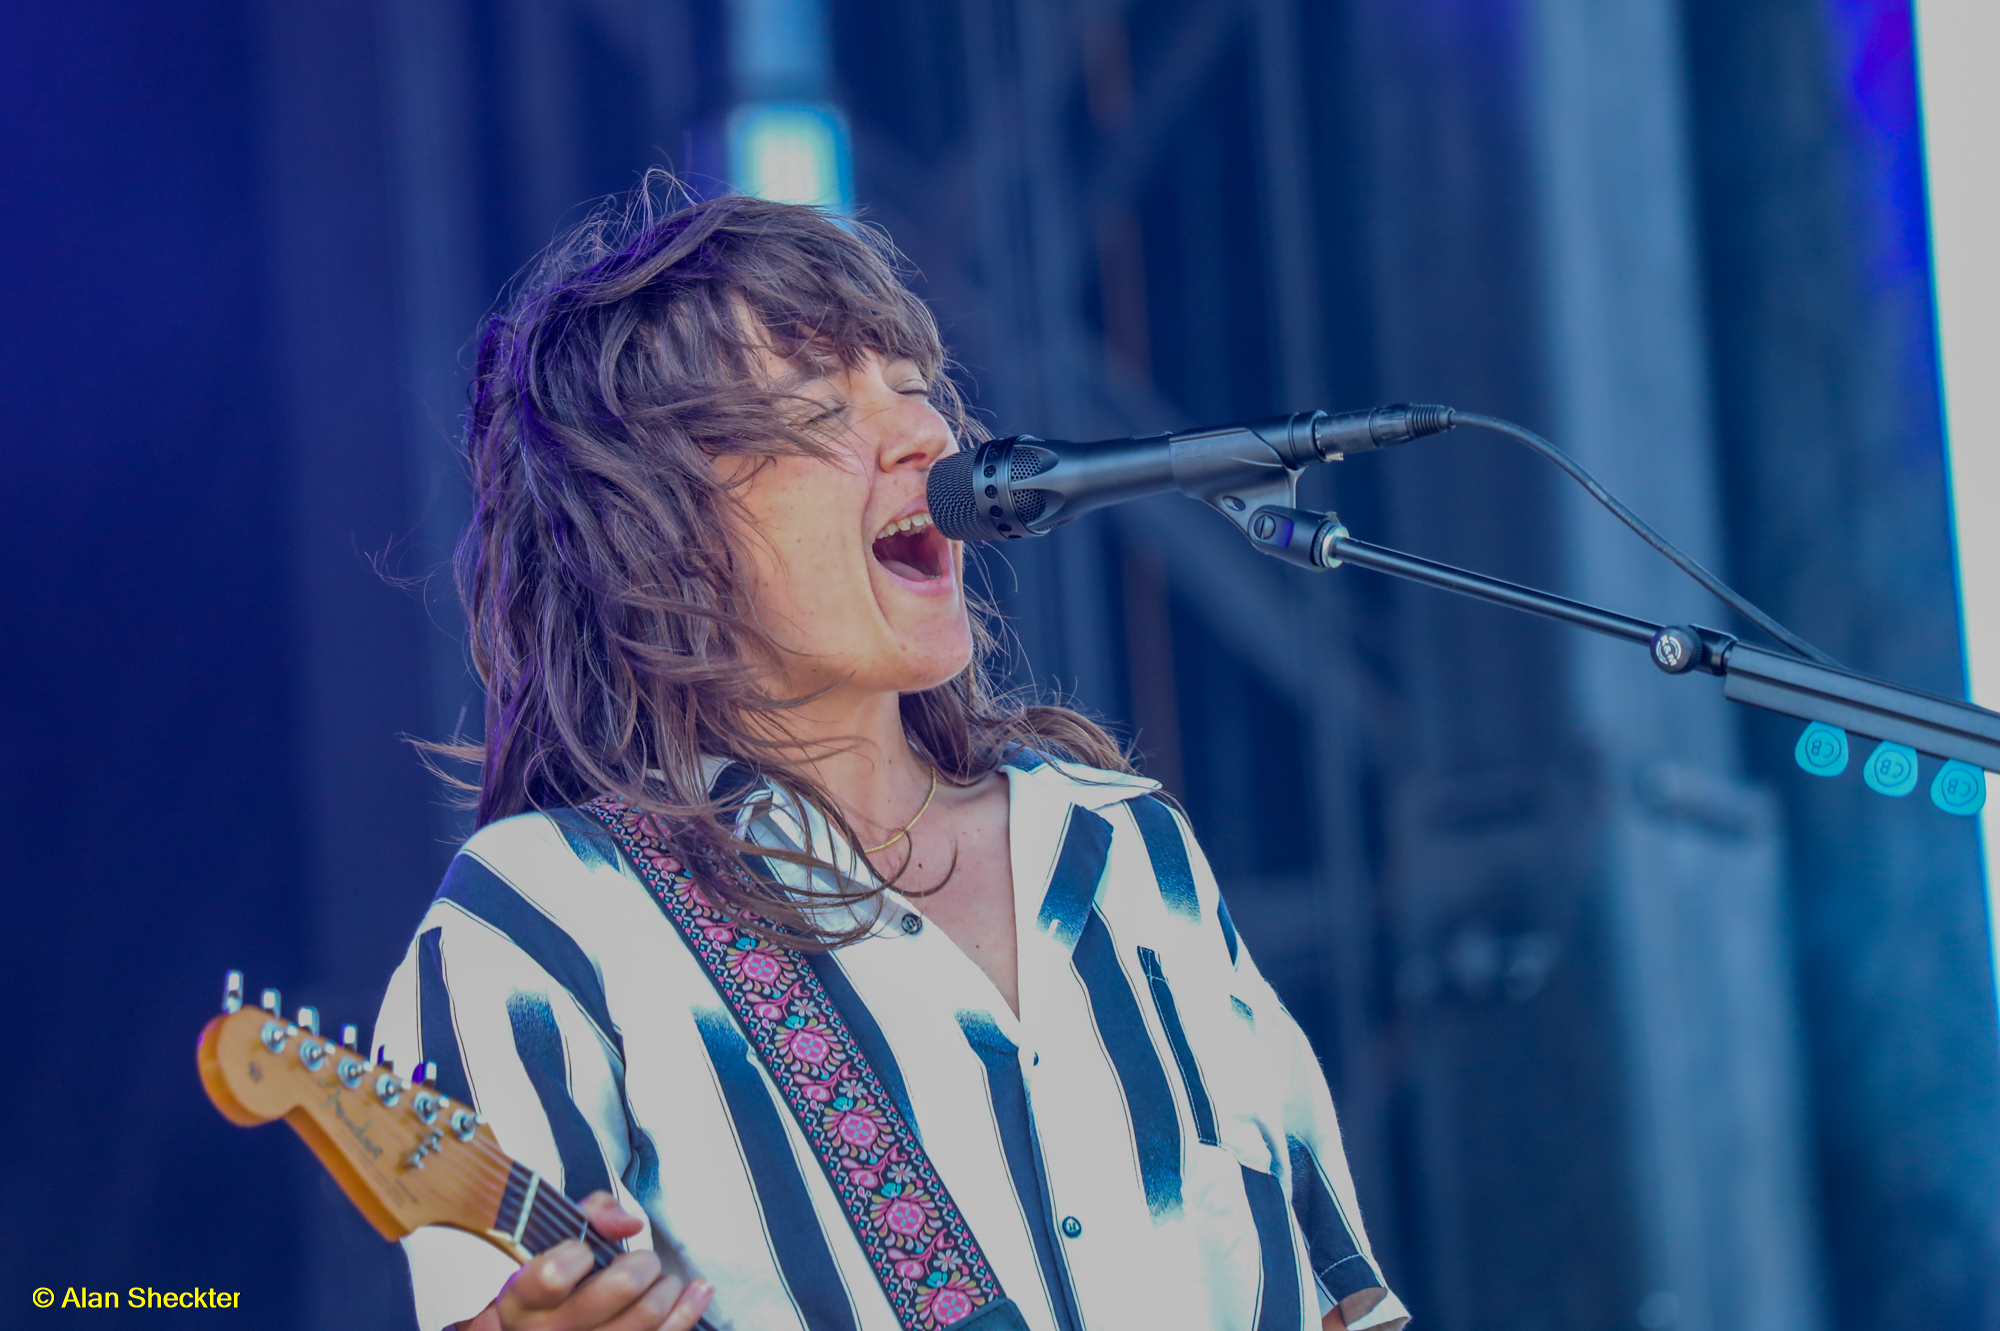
{"x":408,"y":1155}
{"x":634,"y":1293}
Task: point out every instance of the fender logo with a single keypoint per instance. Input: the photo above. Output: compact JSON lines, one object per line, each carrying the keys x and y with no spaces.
{"x":359,"y":1131}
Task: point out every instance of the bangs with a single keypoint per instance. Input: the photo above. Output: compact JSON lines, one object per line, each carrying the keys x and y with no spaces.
{"x":829,"y":299}
{"x":678,"y":315}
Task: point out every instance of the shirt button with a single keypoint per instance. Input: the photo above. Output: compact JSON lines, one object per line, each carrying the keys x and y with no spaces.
{"x":913,"y":923}
{"x":1071,"y":1227}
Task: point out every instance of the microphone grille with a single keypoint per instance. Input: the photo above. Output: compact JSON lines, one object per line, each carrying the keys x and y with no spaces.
{"x":1024,"y":464}
{"x":1027,"y":462}
{"x":954,"y":507}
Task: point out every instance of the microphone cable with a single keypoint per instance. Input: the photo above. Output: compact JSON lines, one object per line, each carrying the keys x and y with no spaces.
{"x":1722,"y":591}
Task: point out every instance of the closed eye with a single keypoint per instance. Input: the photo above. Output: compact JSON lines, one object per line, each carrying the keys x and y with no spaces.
{"x":831,"y":410}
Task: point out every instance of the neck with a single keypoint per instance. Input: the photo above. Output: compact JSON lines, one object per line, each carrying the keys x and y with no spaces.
{"x":853,"y":747}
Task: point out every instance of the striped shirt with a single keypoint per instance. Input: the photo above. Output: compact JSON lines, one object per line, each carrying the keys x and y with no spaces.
{"x":1150,"y":1143}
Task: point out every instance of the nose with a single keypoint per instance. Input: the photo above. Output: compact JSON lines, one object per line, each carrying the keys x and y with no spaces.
{"x":919,"y":438}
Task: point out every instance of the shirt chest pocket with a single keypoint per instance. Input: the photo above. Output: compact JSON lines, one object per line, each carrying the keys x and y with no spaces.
{"x":1212,"y":1040}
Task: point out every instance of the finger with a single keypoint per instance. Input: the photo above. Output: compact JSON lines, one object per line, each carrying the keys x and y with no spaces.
{"x":649,"y":1311}
{"x":610,"y":1219}
{"x":693,"y":1302}
{"x":667,"y":1306}
{"x":606,"y":1296}
{"x":545,"y":1282}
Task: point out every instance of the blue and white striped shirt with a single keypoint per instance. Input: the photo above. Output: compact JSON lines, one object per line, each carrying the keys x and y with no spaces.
{"x":1149,"y":1144}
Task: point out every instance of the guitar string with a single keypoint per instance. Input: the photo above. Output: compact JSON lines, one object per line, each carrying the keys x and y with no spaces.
{"x":488,"y":1167}
{"x":565,"y":1220}
{"x":498,"y":1164}
{"x":551,"y":1218}
{"x":487,"y":1163}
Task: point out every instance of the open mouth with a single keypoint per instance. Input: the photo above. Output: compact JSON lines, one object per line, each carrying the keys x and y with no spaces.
{"x":913,"y":548}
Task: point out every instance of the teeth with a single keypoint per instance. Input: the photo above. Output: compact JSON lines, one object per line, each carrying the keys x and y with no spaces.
{"x":911,"y":523}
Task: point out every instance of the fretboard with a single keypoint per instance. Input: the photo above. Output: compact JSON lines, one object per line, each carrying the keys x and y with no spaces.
{"x":538,"y":1217}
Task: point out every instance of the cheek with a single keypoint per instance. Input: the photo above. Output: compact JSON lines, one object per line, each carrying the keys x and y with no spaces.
{"x":805,"y":588}
{"x":800,"y":544}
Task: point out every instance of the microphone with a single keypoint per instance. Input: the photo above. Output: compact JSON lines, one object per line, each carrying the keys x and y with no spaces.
{"x":1004,"y":489}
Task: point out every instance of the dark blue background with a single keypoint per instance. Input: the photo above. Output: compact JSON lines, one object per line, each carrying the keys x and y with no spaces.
{"x":207,"y":463}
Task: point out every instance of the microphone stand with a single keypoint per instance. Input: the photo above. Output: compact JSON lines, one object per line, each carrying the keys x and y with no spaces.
{"x":1775,"y":681}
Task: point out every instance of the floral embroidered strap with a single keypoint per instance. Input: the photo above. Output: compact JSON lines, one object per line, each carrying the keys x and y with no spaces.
{"x":929,"y":1264}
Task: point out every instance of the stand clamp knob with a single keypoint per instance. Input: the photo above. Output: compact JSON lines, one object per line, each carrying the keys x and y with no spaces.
{"x":1296,"y":535}
{"x":1677,"y":650}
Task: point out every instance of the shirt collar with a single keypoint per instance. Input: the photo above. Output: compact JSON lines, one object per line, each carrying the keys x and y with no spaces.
{"x":1092,"y":788}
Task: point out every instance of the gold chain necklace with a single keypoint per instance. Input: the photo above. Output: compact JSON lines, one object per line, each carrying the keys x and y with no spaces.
{"x":904,"y":830}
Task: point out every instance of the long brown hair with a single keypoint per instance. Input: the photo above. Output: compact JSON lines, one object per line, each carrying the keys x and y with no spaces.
{"x":609,"y":615}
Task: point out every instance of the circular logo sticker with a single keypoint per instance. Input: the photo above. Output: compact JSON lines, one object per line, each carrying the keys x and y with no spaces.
{"x":1959,"y":788}
{"x":1822,"y":749}
{"x":1891,"y":769}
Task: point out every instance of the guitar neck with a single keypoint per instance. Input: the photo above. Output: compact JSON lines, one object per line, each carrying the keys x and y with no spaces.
{"x":537,"y":1217}
{"x":405,"y":1153}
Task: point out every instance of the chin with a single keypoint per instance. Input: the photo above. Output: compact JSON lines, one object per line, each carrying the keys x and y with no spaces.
{"x":930,"y":669}
{"x":914,"y":662}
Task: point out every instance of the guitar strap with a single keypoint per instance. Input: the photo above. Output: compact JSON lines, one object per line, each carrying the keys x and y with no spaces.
{"x":930,"y":1266}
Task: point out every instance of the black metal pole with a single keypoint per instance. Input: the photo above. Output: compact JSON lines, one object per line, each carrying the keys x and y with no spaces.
{"x":1480,"y":587}
{"x":1876,"y":709}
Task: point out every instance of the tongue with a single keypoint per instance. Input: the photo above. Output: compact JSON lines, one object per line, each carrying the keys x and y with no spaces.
{"x":905,"y":555}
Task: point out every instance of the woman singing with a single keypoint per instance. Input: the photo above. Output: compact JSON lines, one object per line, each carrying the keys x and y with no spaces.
{"x":706,"y":599}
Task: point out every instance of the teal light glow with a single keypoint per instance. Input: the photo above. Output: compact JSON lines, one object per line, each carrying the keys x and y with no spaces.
{"x":791,"y":152}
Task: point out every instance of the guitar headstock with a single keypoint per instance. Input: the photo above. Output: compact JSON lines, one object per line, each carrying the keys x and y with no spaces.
{"x":406,"y":1154}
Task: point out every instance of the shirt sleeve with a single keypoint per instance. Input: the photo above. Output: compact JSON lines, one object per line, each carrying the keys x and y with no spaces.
{"x":1322,"y":1187}
{"x":487,"y":993}
{"x":1303,"y":1132}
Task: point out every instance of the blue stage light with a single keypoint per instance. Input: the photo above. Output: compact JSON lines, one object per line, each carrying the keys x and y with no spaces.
{"x":791,"y":152}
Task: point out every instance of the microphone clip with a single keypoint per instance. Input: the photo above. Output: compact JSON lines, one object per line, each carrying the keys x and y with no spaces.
{"x":1241,"y":471}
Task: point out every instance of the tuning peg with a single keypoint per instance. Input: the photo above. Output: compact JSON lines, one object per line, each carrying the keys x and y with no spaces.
{"x":273,"y":1000}
{"x":309,"y":1020}
{"x":232,"y":991}
{"x":348,"y":1035}
{"x":427,"y":1074}
{"x":382,"y":1059}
